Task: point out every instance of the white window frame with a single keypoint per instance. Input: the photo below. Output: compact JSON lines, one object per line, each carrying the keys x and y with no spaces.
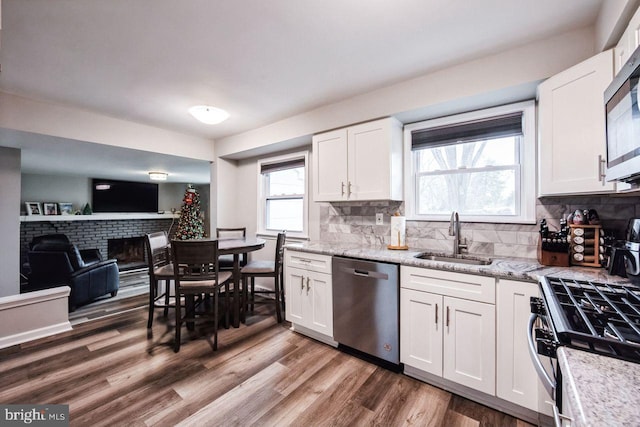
{"x":262,"y":196}
{"x":527,"y":191}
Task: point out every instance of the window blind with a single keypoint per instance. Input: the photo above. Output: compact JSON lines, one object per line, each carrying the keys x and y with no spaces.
{"x":289,"y":164}
{"x":493,"y":127}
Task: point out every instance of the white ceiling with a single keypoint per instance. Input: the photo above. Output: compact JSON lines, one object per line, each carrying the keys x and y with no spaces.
{"x":149,"y":60}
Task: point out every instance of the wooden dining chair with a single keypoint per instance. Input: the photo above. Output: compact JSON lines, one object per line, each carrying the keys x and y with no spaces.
{"x":160,"y":270}
{"x":198,"y":279}
{"x":226,"y":261}
{"x":265,"y":268}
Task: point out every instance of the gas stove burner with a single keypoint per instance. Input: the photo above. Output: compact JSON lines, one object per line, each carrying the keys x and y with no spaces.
{"x":603,"y":318}
{"x":587,"y":305}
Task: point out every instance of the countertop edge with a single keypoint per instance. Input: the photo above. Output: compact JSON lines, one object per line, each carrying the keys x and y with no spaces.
{"x":600,"y":390}
{"x":520,"y":269}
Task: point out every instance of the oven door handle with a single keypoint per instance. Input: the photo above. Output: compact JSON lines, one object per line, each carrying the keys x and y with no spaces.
{"x":547,"y":382}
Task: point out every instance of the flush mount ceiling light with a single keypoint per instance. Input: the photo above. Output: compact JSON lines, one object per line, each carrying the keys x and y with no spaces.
{"x":209,"y":115}
{"x":158,"y":176}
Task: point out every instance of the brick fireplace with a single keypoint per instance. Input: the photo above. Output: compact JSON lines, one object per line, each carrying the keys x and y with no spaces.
{"x":91,"y":233}
{"x":129,"y":251}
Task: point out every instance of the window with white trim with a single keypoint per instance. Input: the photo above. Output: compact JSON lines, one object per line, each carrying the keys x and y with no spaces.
{"x":480,"y":164}
{"x":283,"y":195}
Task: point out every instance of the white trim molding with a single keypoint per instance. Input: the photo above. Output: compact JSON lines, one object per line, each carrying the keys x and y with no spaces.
{"x":33,"y":315}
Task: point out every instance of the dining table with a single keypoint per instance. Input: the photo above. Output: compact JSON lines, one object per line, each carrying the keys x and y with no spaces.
{"x":236,"y":246}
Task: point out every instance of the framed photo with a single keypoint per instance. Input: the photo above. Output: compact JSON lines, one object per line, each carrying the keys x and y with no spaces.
{"x":50,"y":208}
{"x":33,"y":208}
{"x":66,"y":208}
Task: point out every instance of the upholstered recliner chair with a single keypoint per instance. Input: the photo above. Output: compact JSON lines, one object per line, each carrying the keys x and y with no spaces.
{"x":55,"y":261}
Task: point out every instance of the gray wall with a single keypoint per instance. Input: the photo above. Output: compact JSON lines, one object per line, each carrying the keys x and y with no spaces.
{"x":77,"y":190}
{"x":9,"y":225}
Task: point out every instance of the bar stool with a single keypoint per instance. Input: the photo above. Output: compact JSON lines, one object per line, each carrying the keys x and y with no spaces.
{"x":261,"y":268}
{"x":160,"y":269}
{"x":197,"y":275}
{"x":226,"y":261}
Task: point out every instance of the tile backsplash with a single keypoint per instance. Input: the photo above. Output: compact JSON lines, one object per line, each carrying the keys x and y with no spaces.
{"x":355,"y":222}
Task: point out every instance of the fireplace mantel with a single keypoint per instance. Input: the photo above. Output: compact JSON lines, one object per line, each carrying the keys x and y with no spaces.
{"x":97,"y":217}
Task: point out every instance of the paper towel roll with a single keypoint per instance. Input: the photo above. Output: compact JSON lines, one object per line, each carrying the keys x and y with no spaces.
{"x":398,"y":231}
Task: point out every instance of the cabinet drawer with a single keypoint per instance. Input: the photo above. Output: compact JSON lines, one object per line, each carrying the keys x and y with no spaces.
{"x":459,"y":285}
{"x":308,"y":261}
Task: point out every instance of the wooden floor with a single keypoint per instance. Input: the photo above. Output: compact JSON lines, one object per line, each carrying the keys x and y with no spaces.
{"x":112,"y":372}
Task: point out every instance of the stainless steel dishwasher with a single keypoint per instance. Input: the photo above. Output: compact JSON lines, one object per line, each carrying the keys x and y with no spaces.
{"x":366,"y":307}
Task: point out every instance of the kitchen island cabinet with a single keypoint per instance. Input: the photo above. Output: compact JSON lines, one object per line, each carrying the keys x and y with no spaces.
{"x":361,"y":162}
{"x":571,"y":147}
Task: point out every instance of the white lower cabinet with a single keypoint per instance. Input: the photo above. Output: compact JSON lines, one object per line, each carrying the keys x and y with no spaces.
{"x":518,"y":381}
{"x":421,"y":330}
{"x":445,"y":335}
{"x":309,"y":293}
{"x":470,"y":344}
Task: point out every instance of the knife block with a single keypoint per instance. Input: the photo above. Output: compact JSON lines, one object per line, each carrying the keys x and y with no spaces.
{"x":557,"y":255}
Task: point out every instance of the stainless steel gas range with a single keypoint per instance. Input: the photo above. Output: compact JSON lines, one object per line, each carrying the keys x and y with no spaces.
{"x":602,"y":318}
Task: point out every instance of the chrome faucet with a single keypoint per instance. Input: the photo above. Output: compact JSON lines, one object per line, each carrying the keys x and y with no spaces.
{"x":454,"y":230}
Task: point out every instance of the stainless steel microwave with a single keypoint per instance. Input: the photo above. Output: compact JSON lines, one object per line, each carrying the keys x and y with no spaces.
{"x":623,"y":123}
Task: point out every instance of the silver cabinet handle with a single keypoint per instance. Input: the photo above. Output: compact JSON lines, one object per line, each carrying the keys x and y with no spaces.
{"x":349,"y":190}
{"x":601,"y":169}
{"x":301,"y":282}
{"x":308,"y":287}
{"x":436,"y":314}
{"x":342,"y":185}
{"x":447,"y":316}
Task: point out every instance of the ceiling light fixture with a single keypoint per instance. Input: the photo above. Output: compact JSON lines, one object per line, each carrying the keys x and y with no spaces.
{"x":158,"y":176}
{"x":208,"y":114}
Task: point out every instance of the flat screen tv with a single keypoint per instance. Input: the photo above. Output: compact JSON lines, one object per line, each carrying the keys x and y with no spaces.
{"x":123,"y":196}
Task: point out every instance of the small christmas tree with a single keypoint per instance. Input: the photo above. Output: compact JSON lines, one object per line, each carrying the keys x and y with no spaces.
{"x":190,"y":225}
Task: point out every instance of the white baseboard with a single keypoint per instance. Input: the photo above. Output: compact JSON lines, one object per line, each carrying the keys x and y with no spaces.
{"x":33,"y":315}
{"x":34,"y":334}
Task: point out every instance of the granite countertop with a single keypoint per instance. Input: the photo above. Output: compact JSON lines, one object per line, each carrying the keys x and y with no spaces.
{"x":600,"y":390}
{"x":523,"y":269}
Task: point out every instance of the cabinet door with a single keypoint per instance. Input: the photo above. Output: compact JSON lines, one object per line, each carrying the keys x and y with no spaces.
{"x":294,"y":282}
{"x":572,"y":128}
{"x":330,"y":166}
{"x":421,"y":326}
{"x":319,"y":303}
{"x":368,"y":162}
{"x":517,"y":380}
{"x":469,"y":344}
{"x":370,"y":156}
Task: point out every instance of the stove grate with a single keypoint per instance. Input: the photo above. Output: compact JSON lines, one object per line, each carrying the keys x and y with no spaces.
{"x":600,"y":317}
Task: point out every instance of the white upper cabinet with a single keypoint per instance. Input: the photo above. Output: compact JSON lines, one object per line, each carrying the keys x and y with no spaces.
{"x":330,"y":166}
{"x":628,"y":43}
{"x":572,"y":138}
{"x":361,"y":162}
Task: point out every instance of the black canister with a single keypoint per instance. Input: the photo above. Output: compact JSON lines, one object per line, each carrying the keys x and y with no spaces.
{"x":632,"y":253}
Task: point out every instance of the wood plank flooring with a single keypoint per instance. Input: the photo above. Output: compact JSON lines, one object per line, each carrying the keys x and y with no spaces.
{"x":112,"y":372}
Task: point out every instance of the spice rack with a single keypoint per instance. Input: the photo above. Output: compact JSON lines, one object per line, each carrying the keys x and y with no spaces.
{"x":585,"y":245}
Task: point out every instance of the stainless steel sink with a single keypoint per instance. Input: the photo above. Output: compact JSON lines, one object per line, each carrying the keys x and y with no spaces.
{"x":456,"y":259}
